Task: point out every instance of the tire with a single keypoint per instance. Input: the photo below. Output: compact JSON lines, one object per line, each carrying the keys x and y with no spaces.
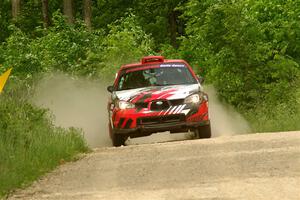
{"x":118,"y":140}
{"x":203,"y":132}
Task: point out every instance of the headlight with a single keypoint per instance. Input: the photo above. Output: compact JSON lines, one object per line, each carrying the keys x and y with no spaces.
{"x":195,"y":98}
{"x":125,"y":105}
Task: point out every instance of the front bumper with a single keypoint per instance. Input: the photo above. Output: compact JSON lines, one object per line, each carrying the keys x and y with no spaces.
{"x":143,"y":122}
{"x":173,"y":127}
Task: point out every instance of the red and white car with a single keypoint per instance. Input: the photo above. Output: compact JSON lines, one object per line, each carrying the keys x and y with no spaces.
{"x":157,"y":95}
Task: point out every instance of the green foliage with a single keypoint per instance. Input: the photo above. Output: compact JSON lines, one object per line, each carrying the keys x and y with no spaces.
{"x":17,"y":53}
{"x":249,"y":49}
{"x":156,"y":18}
{"x":30,"y":17}
{"x":62,"y":47}
{"x":278,"y":117}
{"x":107,"y":12}
{"x":125,"y":43}
{"x":168,"y":51}
{"x":66,"y":47}
{"x":4,"y":19}
{"x":74,"y":50}
{"x":29,"y":143}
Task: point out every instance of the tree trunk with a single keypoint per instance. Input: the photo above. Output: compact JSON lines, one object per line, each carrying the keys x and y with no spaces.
{"x":173,"y":28}
{"x":68,"y":11}
{"x":15,"y":8}
{"x":87,"y":13}
{"x":45,"y":9}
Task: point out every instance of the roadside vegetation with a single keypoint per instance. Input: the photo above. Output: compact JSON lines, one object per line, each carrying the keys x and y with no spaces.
{"x":251,"y":52}
{"x":248,"y":49}
{"x":30,"y":145}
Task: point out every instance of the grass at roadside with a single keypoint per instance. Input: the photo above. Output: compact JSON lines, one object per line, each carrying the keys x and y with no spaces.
{"x":30,"y":145}
{"x":264,"y":123}
{"x":274,"y":118}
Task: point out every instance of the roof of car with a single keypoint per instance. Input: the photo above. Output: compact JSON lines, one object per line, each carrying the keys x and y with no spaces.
{"x":150,"y":60}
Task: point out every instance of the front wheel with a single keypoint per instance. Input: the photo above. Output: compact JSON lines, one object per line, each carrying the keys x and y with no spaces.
{"x":203,"y":132}
{"x":118,"y":140}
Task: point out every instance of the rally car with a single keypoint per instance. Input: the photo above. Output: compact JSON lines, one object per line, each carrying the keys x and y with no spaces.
{"x":157,"y":95}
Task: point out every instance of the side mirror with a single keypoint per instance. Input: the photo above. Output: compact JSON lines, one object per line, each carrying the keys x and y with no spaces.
{"x":201,"y":79}
{"x":110,"y":88}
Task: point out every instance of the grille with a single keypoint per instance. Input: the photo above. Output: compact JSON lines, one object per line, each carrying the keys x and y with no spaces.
{"x":121,"y":122}
{"x":159,"y":105}
{"x":128,"y":123}
{"x":160,"y":119}
{"x":176,"y":102}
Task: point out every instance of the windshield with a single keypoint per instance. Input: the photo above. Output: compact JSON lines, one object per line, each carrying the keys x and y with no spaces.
{"x":161,"y":75}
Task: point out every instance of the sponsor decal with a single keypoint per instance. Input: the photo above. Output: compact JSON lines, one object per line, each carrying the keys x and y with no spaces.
{"x":3,"y":79}
{"x":172,"y":65}
{"x":141,"y":68}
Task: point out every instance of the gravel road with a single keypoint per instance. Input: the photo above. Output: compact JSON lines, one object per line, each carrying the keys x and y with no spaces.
{"x":255,"y":166}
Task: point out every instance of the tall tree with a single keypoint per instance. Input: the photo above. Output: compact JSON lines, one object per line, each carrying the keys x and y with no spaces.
{"x":173,"y":27}
{"x":87,"y":12}
{"x":16,"y":8}
{"x":106,"y":12}
{"x":161,"y":19}
{"x":45,"y":9}
{"x":68,"y":11}
{"x":5,"y":15}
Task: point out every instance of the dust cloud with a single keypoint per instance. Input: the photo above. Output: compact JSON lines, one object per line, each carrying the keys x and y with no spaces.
{"x":82,"y":104}
{"x":225,"y":120}
{"x":76,"y":103}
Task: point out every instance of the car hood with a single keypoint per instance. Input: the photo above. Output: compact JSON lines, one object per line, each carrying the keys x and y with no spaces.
{"x":148,"y":94}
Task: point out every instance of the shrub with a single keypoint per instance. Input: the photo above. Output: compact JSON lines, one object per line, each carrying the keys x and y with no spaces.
{"x":249,"y":51}
{"x":125,"y":43}
{"x":30,"y":145}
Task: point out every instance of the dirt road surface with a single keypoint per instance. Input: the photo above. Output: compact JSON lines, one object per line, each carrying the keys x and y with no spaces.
{"x":256,"y":166}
